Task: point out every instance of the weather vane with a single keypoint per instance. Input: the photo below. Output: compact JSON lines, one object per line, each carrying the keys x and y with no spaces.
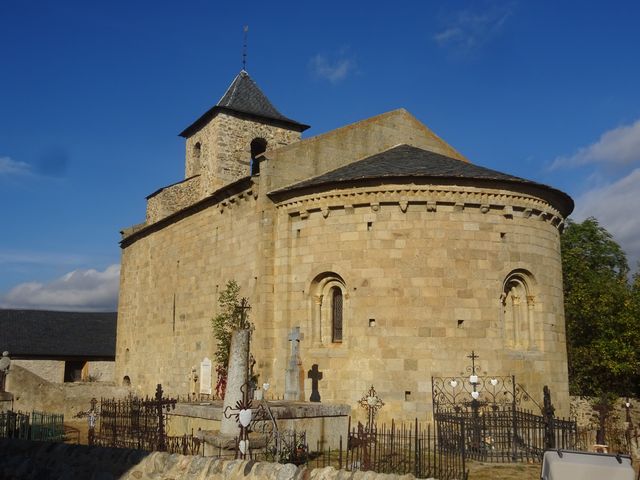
{"x":244,"y":48}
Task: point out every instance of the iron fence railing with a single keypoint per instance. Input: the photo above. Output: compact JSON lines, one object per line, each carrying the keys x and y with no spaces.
{"x":138,"y":423}
{"x":507,"y":434}
{"x":41,"y":426}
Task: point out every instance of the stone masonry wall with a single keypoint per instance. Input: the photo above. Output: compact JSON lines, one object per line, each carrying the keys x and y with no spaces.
{"x":225,"y":148}
{"x":173,"y":198}
{"x":426,"y":264}
{"x":425,"y":271}
{"x":323,"y":153}
{"x":24,"y":460}
{"x":102,"y":371}
{"x":50,"y":370}
{"x":32,"y":392}
{"x":170,"y":283}
{"x":422,"y":271}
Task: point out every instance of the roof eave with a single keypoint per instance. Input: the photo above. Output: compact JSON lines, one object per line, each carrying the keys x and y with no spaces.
{"x":239,"y":185}
{"x":209,"y":114}
{"x":563,"y":202}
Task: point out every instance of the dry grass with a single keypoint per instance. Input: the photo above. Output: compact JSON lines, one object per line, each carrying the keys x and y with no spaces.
{"x":503,"y":471}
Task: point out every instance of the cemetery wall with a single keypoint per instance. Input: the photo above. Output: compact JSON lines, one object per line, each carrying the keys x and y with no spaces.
{"x":31,"y":392}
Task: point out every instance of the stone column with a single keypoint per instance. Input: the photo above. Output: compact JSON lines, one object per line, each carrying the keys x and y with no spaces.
{"x":236,"y":377}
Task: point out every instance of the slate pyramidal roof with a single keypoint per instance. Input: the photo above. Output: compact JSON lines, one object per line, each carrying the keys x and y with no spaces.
{"x":244,"y":96}
{"x":406,"y":161}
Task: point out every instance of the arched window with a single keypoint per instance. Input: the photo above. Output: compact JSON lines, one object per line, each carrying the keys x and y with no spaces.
{"x":518,"y":302}
{"x":195,"y":158}
{"x":336,"y":315}
{"x":328,"y":305}
{"x":258,"y":147}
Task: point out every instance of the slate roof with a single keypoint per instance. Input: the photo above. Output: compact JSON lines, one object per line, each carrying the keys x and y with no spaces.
{"x":244,"y":96}
{"x":43,"y":333}
{"x":408,"y":161}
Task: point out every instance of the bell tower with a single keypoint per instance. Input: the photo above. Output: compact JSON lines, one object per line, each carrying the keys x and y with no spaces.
{"x":226,"y":142}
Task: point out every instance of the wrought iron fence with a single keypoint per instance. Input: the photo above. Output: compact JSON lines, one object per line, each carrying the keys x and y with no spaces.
{"x":47,"y":427}
{"x":14,"y":425}
{"x":394,"y":448}
{"x":494,"y":426}
{"x":405,"y":448}
{"x":138,"y":423}
{"x":35,"y":426}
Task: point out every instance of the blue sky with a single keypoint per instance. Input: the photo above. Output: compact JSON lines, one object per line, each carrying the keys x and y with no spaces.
{"x":93,"y":95}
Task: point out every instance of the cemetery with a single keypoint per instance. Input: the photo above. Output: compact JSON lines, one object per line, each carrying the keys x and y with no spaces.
{"x":477,"y":419}
{"x":431,"y":344}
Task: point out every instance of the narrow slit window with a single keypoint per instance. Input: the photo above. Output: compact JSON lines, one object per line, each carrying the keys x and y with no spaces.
{"x":336,"y":315}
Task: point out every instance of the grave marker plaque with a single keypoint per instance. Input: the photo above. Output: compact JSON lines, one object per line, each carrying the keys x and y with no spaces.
{"x":205,"y":376}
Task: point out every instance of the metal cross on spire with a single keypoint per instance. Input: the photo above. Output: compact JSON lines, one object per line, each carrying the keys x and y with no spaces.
{"x":245,"y":30}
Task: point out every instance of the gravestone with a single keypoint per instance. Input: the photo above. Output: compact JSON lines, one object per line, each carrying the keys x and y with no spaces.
{"x":293,"y":380}
{"x":205,"y":376}
{"x":236,"y":378}
{"x":315,"y":375}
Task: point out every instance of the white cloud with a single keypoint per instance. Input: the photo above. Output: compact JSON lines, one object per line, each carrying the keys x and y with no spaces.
{"x":334,"y":71}
{"x":620,"y":146}
{"x":23,"y":257}
{"x":79,"y":290}
{"x":468,"y":30}
{"x":13,"y":167}
{"x":616,"y":205}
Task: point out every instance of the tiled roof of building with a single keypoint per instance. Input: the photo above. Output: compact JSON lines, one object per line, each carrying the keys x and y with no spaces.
{"x":244,"y":96}
{"x":44,"y":333}
{"x":408,"y":161}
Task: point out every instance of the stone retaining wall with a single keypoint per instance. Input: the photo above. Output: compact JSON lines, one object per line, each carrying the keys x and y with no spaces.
{"x":31,"y":392}
{"x":21,"y":459}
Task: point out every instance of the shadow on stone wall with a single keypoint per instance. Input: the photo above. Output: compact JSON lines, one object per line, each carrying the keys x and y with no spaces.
{"x":23,"y":459}
{"x":26,"y":460}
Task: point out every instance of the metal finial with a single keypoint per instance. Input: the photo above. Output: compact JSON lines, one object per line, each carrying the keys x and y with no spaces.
{"x":244,"y":48}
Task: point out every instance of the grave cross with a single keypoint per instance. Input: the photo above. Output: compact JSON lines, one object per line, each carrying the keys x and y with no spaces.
{"x":473,"y":357}
{"x":244,"y":415}
{"x":92,"y":415}
{"x":242,"y":310}
{"x":315,"y":375}
{"x":294,"y":337}
{"x":372,"y":403}
{"x":161,"y":404}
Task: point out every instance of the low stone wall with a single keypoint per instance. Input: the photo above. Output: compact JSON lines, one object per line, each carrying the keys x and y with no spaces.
{"x":323,"y":424}
{"x":31,"y":392}
{"x":582,"y":410}
{"x":21,"y":459}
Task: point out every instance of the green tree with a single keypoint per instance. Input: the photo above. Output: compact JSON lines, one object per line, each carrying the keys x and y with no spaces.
{"x":603,"y":343}
{"x":233,"y":315}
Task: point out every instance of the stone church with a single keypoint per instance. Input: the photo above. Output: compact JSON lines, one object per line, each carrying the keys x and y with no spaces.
{"x":394,"y":254}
